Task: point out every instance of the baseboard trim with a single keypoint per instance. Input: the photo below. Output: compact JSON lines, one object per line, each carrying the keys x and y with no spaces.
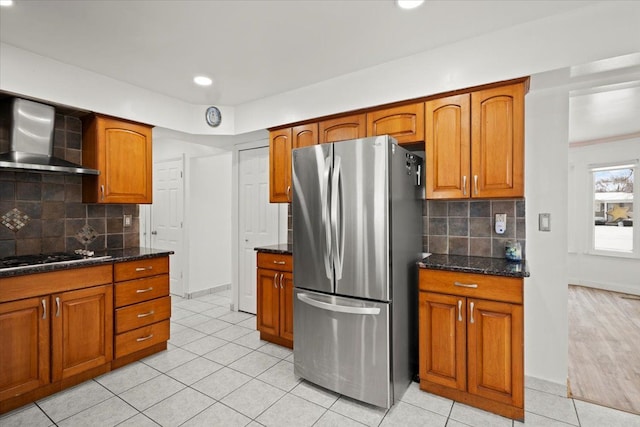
{"x":212,"y":290}
{"x":546,"y":386}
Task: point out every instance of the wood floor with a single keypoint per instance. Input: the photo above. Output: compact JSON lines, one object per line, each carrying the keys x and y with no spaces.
{"x":604,"y":348}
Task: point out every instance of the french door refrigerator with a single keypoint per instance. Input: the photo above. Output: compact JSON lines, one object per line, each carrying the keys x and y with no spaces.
{"x":357,"y":234}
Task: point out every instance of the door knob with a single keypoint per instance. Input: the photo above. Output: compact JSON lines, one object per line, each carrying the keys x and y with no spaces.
{"x":154,"y":232}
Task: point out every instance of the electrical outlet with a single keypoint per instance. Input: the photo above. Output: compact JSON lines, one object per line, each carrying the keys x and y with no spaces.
{"x":127,"y":221}
{"x":501,"y":223}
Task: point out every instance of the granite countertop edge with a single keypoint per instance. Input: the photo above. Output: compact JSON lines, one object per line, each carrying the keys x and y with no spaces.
{"x":282,"y":248}
{"x":117,"y":256}
{"x":477,"y":265}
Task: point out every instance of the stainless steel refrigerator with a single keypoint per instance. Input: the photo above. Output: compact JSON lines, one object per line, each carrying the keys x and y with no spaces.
{"x":357,"y":234}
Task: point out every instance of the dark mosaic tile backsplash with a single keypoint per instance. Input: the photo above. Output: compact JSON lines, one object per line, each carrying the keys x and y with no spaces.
{"x":467,"y":227}
{"x":57,"y":219}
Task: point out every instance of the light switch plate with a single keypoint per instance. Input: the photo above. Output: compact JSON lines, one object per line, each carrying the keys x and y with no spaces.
{"x":127,"y":221}
{"x":544,"y":222}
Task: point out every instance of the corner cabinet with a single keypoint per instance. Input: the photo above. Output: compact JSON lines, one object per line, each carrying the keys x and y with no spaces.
{"x":281,"y":142}
{"x":471,"y":340}
{"x":121,"y":151}
{"x":475,"y":144}
{"x":275,"y":298}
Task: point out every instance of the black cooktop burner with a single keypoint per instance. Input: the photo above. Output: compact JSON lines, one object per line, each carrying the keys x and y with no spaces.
{"x":27,"y":260}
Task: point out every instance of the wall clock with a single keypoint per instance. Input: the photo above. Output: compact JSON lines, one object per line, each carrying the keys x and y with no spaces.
{"x":213,"y":116}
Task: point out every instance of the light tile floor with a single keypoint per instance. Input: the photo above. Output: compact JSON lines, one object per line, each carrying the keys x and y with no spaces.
{"x":217,"y":372}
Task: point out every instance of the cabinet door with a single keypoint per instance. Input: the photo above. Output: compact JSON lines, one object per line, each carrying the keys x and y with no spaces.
{"x":286,"y":306}
{"x":497,"y":142}
{"x":447,"y":142}
{"x":442,"y":335}
{"x":121,"y":150}
{"x":495,"y":351}
{"x":268,"y":307}
{"x":304,"y":135}
{"x":405,"y":123}
{"x":82,"y":330}
{"x":24,"y":346}
{"x":280,"y":165}
{"x":342,"y":128}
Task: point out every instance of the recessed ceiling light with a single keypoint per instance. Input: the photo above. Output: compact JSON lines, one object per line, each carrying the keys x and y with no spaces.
{"x":409,"y":4}
{"x":6,"y":2}
{"x":202,"y":80}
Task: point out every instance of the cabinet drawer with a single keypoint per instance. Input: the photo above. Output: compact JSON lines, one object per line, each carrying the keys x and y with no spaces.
{"x":141,"y":268}
{"x":496,"y":288}
{"x":135,"y":291}
{"x":140,"y":338}
{"x":278,"y":262}
{"x":142,"y":314}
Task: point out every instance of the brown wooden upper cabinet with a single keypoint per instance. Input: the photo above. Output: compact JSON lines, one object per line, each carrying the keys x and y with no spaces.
{"x":305,"y":135}
{"x":342,"y":128}
{"x":475,"y":144}
{"x":281,"y":142}
{"x":121,"y":151}
{"x":279,"y":165}
{"x":404,"y":123}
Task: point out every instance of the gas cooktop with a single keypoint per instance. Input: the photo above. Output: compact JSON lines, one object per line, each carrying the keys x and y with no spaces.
{"x":25,"y":261}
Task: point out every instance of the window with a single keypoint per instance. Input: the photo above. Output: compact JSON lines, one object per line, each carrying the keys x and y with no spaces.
{"x":613,"y":207}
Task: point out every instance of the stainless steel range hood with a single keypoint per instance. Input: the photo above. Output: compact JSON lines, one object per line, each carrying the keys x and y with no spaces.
{"x":31,"y":140}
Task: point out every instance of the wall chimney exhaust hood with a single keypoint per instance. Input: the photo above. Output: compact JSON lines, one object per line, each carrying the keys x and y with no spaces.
{"x":31,"y":140}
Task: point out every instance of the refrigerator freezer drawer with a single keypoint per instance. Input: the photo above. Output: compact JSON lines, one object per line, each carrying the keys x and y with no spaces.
{"x":342,"y":344}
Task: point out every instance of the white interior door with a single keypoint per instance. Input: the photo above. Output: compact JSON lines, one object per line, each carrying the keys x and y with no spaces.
{"x":258,"y":220}
{"x":167,"y":212}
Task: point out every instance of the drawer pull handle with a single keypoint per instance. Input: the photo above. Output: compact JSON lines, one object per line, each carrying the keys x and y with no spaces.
{"x":148,"y":337}
{"x":146,"y":314}
{"x":144,"y":268}
{"x":466,"y":285}
{"x":280,"y":262}
{"x":472,"y":321}
{"x":141,"y":291}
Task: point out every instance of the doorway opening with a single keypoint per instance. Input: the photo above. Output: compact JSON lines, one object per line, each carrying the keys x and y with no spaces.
{"x":604,"y":257}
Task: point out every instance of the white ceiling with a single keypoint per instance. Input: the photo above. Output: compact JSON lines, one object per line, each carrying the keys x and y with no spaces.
{"x":255,"y":49}
{"x":252,"y":49}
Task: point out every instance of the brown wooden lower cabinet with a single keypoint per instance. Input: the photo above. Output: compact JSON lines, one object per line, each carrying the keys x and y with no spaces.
{"x":471,"y":348}
{"x":57,"y":328}
{"x":82,"y":330}
{"x":143,"y":306}
{"x":275,"y":298}
{"x":24,"y":354}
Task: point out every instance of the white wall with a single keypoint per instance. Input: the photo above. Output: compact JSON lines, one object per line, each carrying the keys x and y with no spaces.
{"x":209,"y":221}
{"x":613,"y":273}
{"x":546,"y":145}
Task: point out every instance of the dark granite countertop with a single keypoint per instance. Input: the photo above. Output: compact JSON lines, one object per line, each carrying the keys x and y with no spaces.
{"x":475,"y":264}
{"x":282,"y":248}
{"x":118,"y":255}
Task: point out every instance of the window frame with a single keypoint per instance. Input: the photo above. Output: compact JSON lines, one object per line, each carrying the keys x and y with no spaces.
{"x":623,"y":164}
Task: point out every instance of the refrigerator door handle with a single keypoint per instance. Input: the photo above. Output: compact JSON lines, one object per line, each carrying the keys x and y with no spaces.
{"x":326,"y":219}
{"x":337,"y":215}
{"x":336,"y":307}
